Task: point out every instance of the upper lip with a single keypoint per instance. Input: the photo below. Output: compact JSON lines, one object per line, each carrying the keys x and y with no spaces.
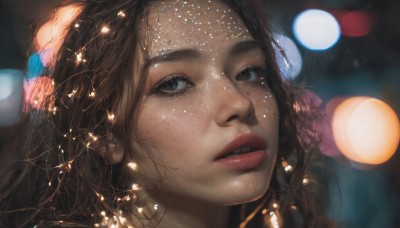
{"x":250,"y":139}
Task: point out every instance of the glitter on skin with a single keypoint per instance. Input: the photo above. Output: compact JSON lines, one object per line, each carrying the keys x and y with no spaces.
{"x":187,"y":15}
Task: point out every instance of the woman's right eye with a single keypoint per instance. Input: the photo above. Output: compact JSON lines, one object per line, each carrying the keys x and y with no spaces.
{"x":172,"y":86}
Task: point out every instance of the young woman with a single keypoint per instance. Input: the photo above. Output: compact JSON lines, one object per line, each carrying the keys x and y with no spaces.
{"x":164,"y":114}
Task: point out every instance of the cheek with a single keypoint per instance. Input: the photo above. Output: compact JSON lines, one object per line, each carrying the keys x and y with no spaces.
{"x":265,"y":105}
{"x":169,"y":132}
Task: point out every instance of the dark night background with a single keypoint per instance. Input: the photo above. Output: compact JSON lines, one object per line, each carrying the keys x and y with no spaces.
{"x":365,"y":65}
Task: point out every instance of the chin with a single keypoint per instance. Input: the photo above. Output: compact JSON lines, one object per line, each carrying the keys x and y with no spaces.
{"x":245,"y":192}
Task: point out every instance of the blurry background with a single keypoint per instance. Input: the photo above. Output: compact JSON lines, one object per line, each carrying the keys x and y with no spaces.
{"x":348,"y":53}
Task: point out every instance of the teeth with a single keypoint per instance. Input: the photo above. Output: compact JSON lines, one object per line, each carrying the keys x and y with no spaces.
{"x":238,"y":150}
{"x":242,"y":150}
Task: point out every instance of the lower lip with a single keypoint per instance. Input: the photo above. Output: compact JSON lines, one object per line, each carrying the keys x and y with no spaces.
{"x":245,"y":161}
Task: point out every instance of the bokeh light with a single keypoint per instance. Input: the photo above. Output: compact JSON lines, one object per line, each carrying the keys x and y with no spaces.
{"x":6,"y":85}
{"x":288,"y":57}
{"x":35,"y":66}
{"x":50,"y":36}
{"x":37,"y":91}
{"x":354,"y":23}
{"x":366,"y":130}
{"x":10,"y":96}
{"x":316,"y":29}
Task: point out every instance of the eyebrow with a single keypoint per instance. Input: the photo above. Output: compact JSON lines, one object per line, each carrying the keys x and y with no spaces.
{"x":174,"y":56}
{"x":244,"y":47}
{"x":191,"y":53}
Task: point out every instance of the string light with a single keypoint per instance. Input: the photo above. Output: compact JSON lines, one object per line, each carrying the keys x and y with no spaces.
{"x":264,"y":211}
{"x":73,"y":92}
{"x":135,"y":187}
{"x":132,"y":166}
{"x":92,"y":94}
{"x":274,"y":220}
{"x":92,"y":136}
{"x":121,"y":14}
{"x":110,"y":116}
{"x":125,"y":198}
{"x":79,"y":58}
{"x":100,"y":196}
{"x":54,"y":110}
{"x":105,"y":29}
{"x":288,"y":168}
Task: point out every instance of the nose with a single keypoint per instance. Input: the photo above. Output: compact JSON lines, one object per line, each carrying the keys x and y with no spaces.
{"x":232,"y":104}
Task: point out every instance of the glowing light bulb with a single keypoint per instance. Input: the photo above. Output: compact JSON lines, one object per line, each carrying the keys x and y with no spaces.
{"x":105,"y":30}
{"x":366,"y":130}
{"x":132,"y":166}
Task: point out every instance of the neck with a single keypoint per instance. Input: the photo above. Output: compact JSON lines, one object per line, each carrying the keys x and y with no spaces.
{"x":187,"y":212}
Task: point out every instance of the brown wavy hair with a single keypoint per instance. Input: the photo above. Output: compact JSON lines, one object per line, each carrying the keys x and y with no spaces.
{"x":53,"y":177}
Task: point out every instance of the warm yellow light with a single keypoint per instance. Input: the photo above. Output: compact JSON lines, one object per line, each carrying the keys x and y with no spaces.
{"x":366,"y":130}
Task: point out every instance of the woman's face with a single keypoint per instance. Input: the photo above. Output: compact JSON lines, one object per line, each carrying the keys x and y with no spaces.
{"x":207,"y":123}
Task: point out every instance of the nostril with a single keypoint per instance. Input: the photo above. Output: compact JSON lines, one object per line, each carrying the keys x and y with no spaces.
{"x":234,"y":117}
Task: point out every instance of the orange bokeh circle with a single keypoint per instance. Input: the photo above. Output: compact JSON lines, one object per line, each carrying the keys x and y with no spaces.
{"x":366,"y":130}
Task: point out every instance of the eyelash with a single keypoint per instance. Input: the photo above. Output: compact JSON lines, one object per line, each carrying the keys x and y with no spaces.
{"x":260,"y":72}
{"x":158,"y":90}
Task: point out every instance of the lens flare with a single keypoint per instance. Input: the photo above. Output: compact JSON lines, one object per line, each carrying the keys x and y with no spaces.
{"x":366,"y":130}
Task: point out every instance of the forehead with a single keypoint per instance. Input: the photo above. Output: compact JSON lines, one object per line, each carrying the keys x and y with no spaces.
{"x":201,"y":24}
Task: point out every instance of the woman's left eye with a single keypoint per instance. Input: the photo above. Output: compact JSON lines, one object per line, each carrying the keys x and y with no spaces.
{"x":252,"y":74}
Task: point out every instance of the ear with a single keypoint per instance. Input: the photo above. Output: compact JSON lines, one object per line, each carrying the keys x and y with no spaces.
{"x":109,"y":149}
